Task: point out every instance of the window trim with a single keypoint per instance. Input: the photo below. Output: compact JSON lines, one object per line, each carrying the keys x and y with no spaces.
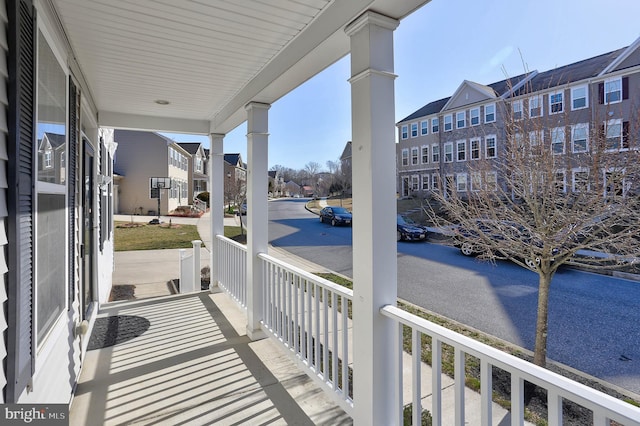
{"x":435,"y":128}
{"x":435,"y":151}
{"x":424,"y":127}
{"x":450,"y":124}
{"x":575,"y":171}
{"x":608,"y":81}
{"x":459,"y":180}
{"x":585,"y":97}
{"x":415,"y":156}
{"x":540,"y":100}
{"x":478,"y":150}
{"x":561,"y":103}
{"x":422,"y":148}
{"x":425,"y":178}
{"x":414,"y":130}
{"x":404,"y":131}
{"x":554,"y":130}
{"x":493,"y":105}
{"x":404,"y":158}
{"x":475,"y":110}
{"x":463,"y":121}
{"x":448,"y":144}
{"x":486,"y":147}
{"x":460,"y":142}
{"x":519,"y":110}
{"x":575,"y":127}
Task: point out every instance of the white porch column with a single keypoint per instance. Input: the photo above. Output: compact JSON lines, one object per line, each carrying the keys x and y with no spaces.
{"x":257,"y":211}
{"x":374,"y":226}
{"x":216,"y":204}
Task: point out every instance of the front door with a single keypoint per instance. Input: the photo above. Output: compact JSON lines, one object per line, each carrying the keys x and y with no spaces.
{"x":87,"y":250}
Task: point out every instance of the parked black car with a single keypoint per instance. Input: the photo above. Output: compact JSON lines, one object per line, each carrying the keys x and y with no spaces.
{"x":336,"y":216}
{"x":409,"y":230}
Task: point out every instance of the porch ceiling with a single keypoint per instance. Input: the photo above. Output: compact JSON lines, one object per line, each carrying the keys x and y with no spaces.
{"x":207,"y":58}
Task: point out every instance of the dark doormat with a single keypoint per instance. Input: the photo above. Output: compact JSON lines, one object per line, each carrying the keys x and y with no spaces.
{"x":112,"y":330}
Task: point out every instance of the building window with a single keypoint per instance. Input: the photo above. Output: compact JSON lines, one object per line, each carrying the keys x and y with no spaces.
{"x":414,"y":130}
{"x":448,"y":152}
{"x":425,"y":154}
{"x":580,"y":180}
{"x":476,"y":182}
{"x":516,"y":109}
{"x":557,"y":140}
{"x":425,"y":182}
{"x":415,"y":182}
{"x":617,"y":135}
{"x":491,"y":181}
{"x":461,"y":182}
{"x":461,"y":148}
{"x":614,"y":183}
{"x":448,"y":123}
{"x":405,"y":157}
{"x":580,"y":137}
{"x":556,"y":102}
{"x":579,"y":97}
{"x":613,"y":91}
{"x":435,"y":154}
{"x":474,"y":147}
{"x":536,"y":138}
{"x":424,"y":128}
{"x":435,"y":179}
{"x":490,"y":146}
{"x":414,"y":155}
{"x":435,"y":125}
{"x":460,"y":120}
{"x":404,"y":131}
{"x":560,"y":181}
{"x":474,"y":116}
{"x":50,"y":301}
{"x":535,"y":106}
{"x":490,"y":113}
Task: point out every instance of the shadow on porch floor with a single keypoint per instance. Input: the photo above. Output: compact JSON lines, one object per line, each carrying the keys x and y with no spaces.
{"x":194,"y":365}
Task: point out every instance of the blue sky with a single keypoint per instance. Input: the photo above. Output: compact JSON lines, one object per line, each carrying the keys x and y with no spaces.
{"x":436,"y":48}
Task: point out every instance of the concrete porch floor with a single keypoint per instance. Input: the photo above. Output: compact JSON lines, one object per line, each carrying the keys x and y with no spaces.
{"x":194,"y":365}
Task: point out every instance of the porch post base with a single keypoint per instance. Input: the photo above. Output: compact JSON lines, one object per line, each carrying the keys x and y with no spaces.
{"x":256,"y":334}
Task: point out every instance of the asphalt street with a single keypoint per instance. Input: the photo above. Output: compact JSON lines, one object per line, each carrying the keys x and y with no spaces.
{"x":594,"y":320}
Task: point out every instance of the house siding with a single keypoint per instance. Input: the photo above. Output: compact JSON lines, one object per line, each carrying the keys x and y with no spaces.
{"x":4,"y":102}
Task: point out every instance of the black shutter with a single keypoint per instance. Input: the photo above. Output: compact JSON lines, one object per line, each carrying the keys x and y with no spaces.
{"x":625,"y":134}
{"x":72,"y":185}
{"x":600,"y":93}
{"x":21,"y":149}
{"x":625,"y":87}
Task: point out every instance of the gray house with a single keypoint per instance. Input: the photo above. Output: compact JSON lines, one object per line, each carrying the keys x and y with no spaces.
{"x":198,"y":168}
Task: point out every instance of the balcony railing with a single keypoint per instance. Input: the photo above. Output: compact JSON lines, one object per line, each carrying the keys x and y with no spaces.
{"x":310,"y":317}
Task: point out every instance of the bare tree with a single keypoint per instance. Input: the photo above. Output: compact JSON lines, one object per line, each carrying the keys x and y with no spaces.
{"x":560,"y":191}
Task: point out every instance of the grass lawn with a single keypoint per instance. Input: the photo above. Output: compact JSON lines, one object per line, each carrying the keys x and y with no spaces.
{"x":141,"y":236}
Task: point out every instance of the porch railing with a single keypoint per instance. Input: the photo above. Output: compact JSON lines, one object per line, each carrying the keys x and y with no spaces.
{"x":559,"y":388}
{"x":232,"y":275}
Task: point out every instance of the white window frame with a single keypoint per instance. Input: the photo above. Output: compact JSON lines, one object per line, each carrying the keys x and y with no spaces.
{"x":486,"y":114}
{"x":493,"y":181}
{"x":461,"y":119}
{"x":574,"y":98}
{"x":574,"y":172}
{"x":415,"y":183}
{"x":425,"y":182}
{"x":536,"y":137}
{"x":475,"y":181}
{"x":422,"y":154}
{"x":610,"y":171}
{"x":461,"y":182}
{"x":610,"y":81}
{"x":448,"y":122}
{"x":474,"y":113}
{"x":448,"y":146}
{"x":404,"y":131}
{"x":564,"y":179}
{"x":619,"y":137}
{"x":414,"y":130}
{"x":435,"y":125}
{"x":517,"y":111}
{"x":536,"y":102}
{"x":424,"y":127}
{"x":554,"y":132}
{"x":478,"y":149}
{"x":461,"y":143}
{"x":574,"y":129}
{"x":435,"y":153}
{"x":561,"y":103}
{"x":435,"y":179}
{"x":415,"y":155}
{"x":487,"y":146}
{"x":405,"y":156}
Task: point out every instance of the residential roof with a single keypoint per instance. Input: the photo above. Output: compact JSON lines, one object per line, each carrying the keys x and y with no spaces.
{"x":190,"y":147}
{"x":233,"y":159}
{"x":430,"y":108}
{"x":577,"y":71}
{"x":56,"y":140}
{"x":346,"y":152}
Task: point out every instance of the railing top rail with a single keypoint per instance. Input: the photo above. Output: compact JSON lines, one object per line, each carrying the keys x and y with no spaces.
{"x":588,"y":397}
{"x":309,"y":276}
{"x":231,"y":242}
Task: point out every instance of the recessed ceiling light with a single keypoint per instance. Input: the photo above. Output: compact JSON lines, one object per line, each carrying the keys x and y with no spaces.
{"x":161,"y":102}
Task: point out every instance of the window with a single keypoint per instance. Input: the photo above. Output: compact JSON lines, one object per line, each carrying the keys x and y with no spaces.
{"x":474,"y":116}
{"x":448,"y":123}
{"x":535,"y":106}
{"x":414,"y":182}
{"x":414,"y":155}
{"x":613,"y":91}
{"x":579,"y":98}
{"x":460,"y":120}
{"x":50,"y":197}
{"x":490,"y":146}
{"x":461,"y":182}
{"x":424,"y":127}
{"x":474,"y":147}
{"x":614,"y":183}
{"x":435,"y":179}
{"x":536,"y":138}
{"x":560,"y":181}
{"x":435,"y":154}
{"x":425,"y":182}
{"x":476,"y":182}
{"x":435,"y":125}
{"x":556,"y":102}
{"x":617,"y":135}
{"x":405,"y":157}
{"x":404,"y":132}
{"x":448,"y":152}
{"x":516,"y":108}
{"x":461,"y":148}
{"x":491,"y":181}
{"x":490,"y":113}
{"x":425,"y":154}
{"x":580,"y":137}
{"x":414,"y":130}
{"x":580,"y":180}
{"x":557,"y":140}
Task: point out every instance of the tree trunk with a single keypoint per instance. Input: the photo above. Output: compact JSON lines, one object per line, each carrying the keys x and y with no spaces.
{"x":542,"y":322}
